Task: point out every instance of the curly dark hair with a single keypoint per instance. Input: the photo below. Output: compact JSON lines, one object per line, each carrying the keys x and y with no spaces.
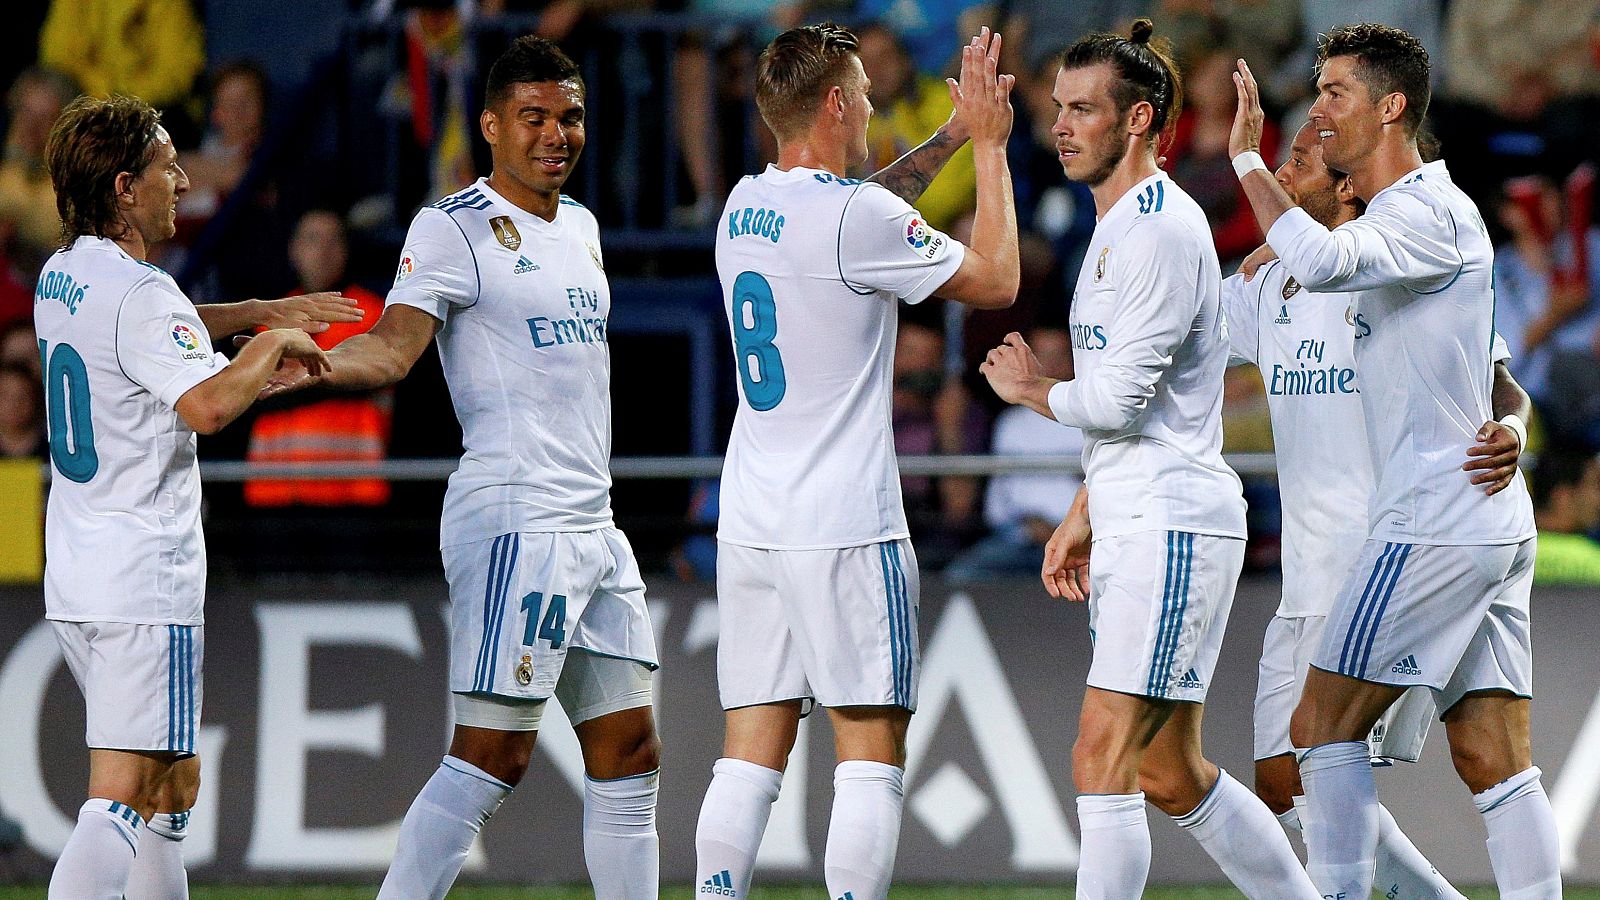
{"x":1145,"y":71}
{"x":1388,"y":61}
{"x":529,"y":60}
{"x":93,"y":142}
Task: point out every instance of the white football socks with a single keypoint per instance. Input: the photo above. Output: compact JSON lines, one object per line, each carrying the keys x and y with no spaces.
{"x":619,"y":836}
{"x":733,"y":817}
{"x":1402,"y":872}
{"x":1523,"y":847}
{"x":1341,"y":818}
{"x":95,"y":863}
{"x":158,"y":872}
{"x":1238,"y":831}
{"x":1114,"y":857}
{"x":438,"y":830}
{"x":864,"y":832}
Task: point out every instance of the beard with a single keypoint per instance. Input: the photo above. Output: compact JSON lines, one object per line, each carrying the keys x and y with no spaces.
{"x":1109,"y":154}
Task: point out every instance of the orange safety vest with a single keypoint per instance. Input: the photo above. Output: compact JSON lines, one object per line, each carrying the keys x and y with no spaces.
{"x":338,"y":429}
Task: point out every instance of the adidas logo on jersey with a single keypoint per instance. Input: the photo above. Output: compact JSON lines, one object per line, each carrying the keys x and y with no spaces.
{"x":1283,"y":313}
{"x":1190,"y":679}
{"x":719,"y":885}
{"x":1407,"y":666}
{"x":525,"y":265}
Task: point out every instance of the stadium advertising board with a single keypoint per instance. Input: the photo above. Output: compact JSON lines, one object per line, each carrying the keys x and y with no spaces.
{"x":326,"y":709}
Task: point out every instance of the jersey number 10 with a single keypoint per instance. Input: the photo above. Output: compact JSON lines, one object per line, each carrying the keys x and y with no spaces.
{"x":66,"y":391}
{"x":752,"y":342}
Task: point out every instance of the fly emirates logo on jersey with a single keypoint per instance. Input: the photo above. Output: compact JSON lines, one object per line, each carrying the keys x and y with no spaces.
{"x":585,"y":326}
{"x":1308,"y":376}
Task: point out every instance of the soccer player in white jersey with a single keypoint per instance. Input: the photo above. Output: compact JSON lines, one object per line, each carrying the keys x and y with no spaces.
{"x":1304,"y":344}
{"x":545,"y":594}
{"x":129,"y":378}
{"x":1160,"y":522}
{"x":817,"y":584}
{"x":1439,"y":595}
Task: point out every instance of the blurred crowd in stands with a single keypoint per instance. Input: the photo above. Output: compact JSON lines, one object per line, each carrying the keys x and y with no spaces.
{"x":306,"y":182}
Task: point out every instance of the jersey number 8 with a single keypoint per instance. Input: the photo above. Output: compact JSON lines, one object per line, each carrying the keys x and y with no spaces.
{"x":67,"y":400}
{"x":760,"y":366}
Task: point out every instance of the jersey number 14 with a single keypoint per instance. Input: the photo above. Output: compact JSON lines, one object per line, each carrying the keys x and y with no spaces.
{"x":760,"y":365}
{"x":66,"y":391}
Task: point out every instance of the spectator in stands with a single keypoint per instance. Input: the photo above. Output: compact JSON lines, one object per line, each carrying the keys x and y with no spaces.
{"x":19,"y":346}
{"x":934,"y":414}
{"x":342,"y":428}
{"x":1522,"y":86}
{"x":909,"y":106}
{"x":1270,"y":28}
{"x":1548,"y":310}
{"x":1022,"y":511}
{"x":1198,"y":154}
{"x":150,"y":49}
{"x":1566,"y":498}
{"x":30,"y":230}
{"x":21,"y":413}
{"x":930,"y":28}
{"x":238,"y":122}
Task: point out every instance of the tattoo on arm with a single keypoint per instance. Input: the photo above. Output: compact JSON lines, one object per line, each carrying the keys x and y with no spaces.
{"x":909,"y":176}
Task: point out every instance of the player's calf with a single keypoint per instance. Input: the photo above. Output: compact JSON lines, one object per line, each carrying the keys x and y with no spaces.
{"x":1278,"y":782}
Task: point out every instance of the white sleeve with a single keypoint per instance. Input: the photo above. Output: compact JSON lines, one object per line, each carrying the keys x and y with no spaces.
{"x":1157,"y":305}
{"x":1499,"y":350}
{"x":162,"y":345}
{"x":1241,"y":311}
{"x":886,"y":245}
{"x":438,"y":270}
{"x":1401,"y":239}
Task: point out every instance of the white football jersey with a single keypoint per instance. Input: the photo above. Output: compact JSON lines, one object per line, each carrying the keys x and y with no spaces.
{"x":523,"y":304}
{"x":120,"y":344}
{"x":812,"y":267}
{"x":1149,"y":355}
{"x":1422,"y":262}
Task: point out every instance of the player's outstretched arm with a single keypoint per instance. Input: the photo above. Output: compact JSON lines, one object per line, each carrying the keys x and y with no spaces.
{"x":368,"y":361}
{"x":1493,"y":459}
{"x":1267,"y":197}
{"x":209,"y":406}
{"x":909,"y":176}
{"x":311,"y":313}
{"x":991,"y":270}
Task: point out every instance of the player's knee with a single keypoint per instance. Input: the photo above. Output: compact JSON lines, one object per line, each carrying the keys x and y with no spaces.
{"x":1168,"y":793}
{"x":1304,"y":728}
{"x":1482,"y":763}
{"x":1274,"y":789}
{"x":640,"y":754}
{"x":503,"y":754}
{"x":1094,"y":763}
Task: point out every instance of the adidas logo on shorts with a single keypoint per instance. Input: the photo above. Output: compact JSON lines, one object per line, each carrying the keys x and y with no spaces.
{"x":1407,"y":666}
{"x":1190,"y":679}
{"x":719,"y":885}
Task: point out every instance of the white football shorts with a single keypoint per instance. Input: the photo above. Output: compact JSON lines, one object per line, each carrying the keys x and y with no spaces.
{"x":1158,"y":608}
{"x":519,"y":602}
{"x":1286,"y":653}
{"x":1452,"y":618}
{"x":141,"y":683}
{"x":835,"y":626}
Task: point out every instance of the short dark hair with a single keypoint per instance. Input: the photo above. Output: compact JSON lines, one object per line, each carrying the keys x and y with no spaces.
{"x":92,"y":143}
{"x":1146,"y":72}
{"x":529,"y":60}
{"x":1388,"y":61}
{"x":795,"y":68}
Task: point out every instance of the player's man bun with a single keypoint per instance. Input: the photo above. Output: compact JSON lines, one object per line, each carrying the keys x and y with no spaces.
{"x":1388,"y":61}
{"x":1146,"y":72}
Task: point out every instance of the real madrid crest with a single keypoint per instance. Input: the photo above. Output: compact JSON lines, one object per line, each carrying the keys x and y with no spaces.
{"x":1100,"y":264}
{"x":1350,"y":316}
{"x":594,"y":254}
{"x":1290,"y":288}
{"x":525,"y":670}
{"x":506,"y":231}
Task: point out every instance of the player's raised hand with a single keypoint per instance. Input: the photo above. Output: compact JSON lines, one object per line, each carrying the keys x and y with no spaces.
{"x":311,"y":313}
{"x":982,"y":97}
{"x":1066,"y":556}
{"x":1258,"y":257}
{"x":1494,"y":457}
{"x":1249,"y":118}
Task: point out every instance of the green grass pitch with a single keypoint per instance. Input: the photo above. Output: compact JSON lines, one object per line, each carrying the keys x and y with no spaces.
{"x":202,"y":892}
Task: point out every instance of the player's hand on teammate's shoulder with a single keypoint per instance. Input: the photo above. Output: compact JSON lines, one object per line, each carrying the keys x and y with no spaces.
{"x":1494,"y":457}
{"x":311,"y":312}
{"x":1258,"y":257}
{"x":982,"y":97}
